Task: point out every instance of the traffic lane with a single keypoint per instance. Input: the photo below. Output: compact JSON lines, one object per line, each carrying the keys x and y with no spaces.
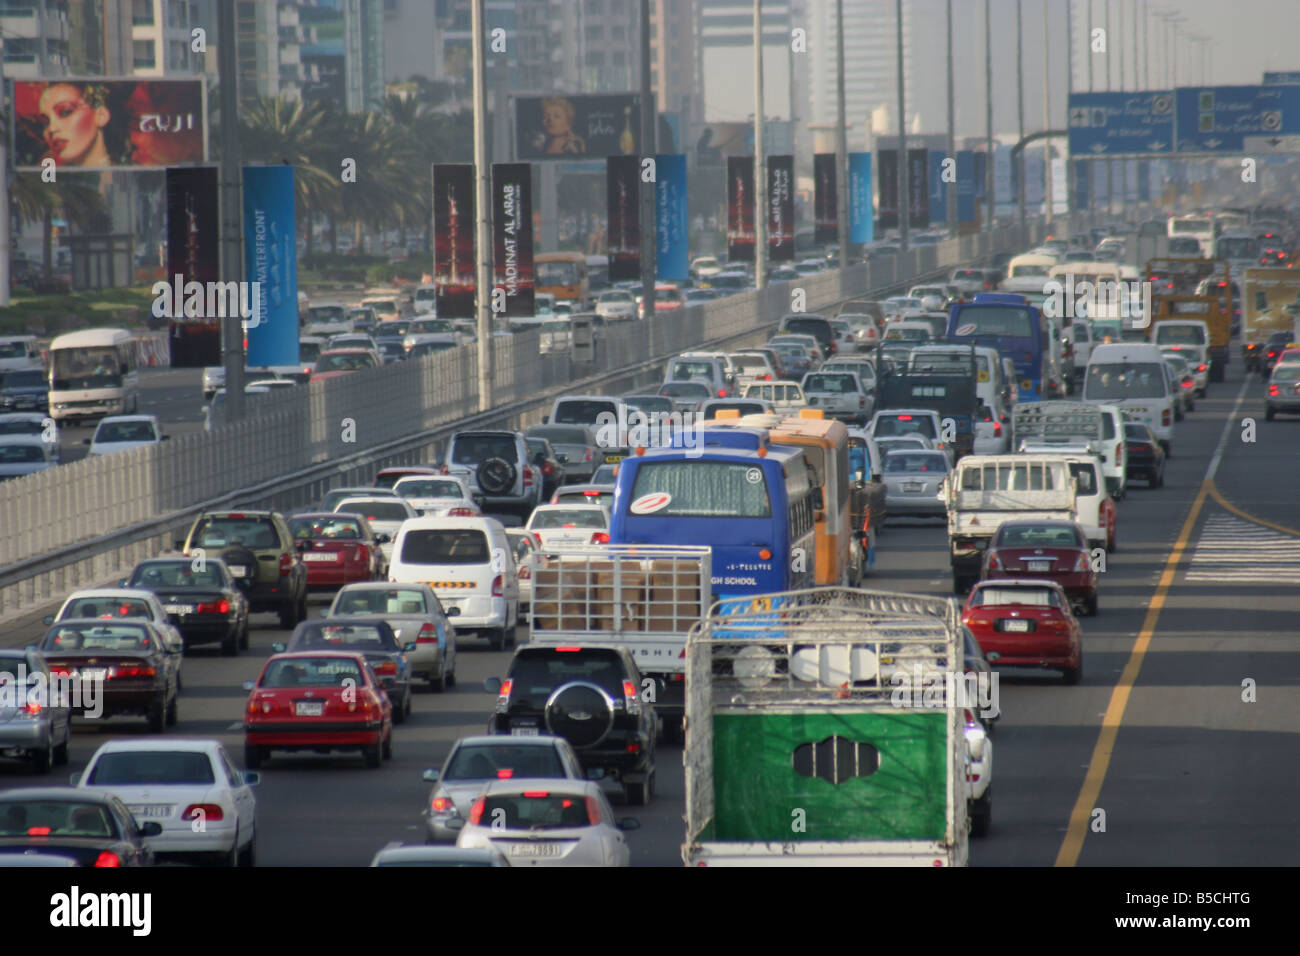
{"x":1196,"y":775}
{"x":175,"y":395}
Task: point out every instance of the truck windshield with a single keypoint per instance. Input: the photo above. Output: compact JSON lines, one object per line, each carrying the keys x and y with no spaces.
{"x":86,"y":368}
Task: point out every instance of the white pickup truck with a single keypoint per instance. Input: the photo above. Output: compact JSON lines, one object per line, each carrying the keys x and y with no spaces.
{"x":1075,"y":428}
{"x":641,"y":597}
{"x":983,"y":491}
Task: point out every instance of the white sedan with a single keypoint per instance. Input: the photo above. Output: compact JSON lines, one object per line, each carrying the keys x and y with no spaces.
{"x":123,"y":603}
{"x":558,"y":525}
{"x":124,"y":432}
{"x":547,"y":822}
{"x":384,"y":514}
{"x":190,"y":787}
{"x":440,"y":496}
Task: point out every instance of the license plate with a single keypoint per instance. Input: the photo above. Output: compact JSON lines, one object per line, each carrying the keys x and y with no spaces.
{"x":151,"y":810}
{"x":1039,"y":565}
{"x":1021,"y":626}
{"x":535,"y":849}
{"x":613,"y":459}
{"x":238,"y":570}
{"x":179,"y":608}
{"x":321,"y":556}
{"x":912,"y":487}
{"x":523,"y":731}
{"x":309,"y":708}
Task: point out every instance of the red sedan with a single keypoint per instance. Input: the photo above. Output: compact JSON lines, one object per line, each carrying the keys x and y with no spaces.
{"x":320,"y":701}
{"x":1026,"y":623}
{"x":1047,"y":551}
{"x":344,"y":549}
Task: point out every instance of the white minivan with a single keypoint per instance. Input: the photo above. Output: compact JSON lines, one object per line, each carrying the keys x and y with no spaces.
{"x":1132,"y":375}
{"x":470,"y":564}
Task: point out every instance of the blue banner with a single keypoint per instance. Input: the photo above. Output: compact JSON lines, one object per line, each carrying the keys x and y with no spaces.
{"x":271,"y":261}
{"x":1144,"y":182}
{"x":861,"y":213}
{"x":672,"y":223}
{"x":981,"y":174}
{"x":965,"y":185}
{"x":938,"y":188}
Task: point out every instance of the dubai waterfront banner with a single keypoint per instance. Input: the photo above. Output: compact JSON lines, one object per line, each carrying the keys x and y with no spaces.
{"x":740,"y":208}
{"x":623,"y":214}
{"x":672,"y":220}
{"x":861,"y":213}
{"x":826,"y":210}
{"x":193,"y":253}
{"x":512,"y":238}
{"x":780,"y":208}
{"x":271,"y":260}
{"x":453,"y":240}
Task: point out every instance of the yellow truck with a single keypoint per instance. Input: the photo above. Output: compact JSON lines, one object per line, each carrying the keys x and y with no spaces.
{"x":1194,"y":289}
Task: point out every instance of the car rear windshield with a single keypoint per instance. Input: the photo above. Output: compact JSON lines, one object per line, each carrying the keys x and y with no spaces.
{"x":97,"y":637}
{"x":650,"y":403}
{"x":1044,"y":536}
{"x":819,"y":329}
{"x":312,"y":672}
{"x":445,"y":546}
{"x":685,"y":390}
{"x":349,"y":362}
{"x":705,"y":488}
{"x":534,"y":677}
{"x":568,"y":518}
{"x":255,"y":533}
{"x":1179,"y":334}
{"x":581,"y":412}
{"x":838,"y":384}
{"x":375,"y":510}
{"x":1120,"y":381}
{"x":26,"y":378}
{"x":743,"y":408}
{"x":561,"y":435}
{"x":156,"y":575}
{"x":429,"y":488}
{"x":1032,"y":597}
{"x":308,"y":351}
{"x":684,"y":371}
{"x":503,"y":761}
{"x":381,"y":601}
{"x":906,"y":461}
{"x":750,"y":363}
{"x":330,"y":528}
{"x":22,"y":454}
{"x":106,"y":607}
{"x":1085,"y":475}
{"x":133,"y":768}
{"x":537,"y":810}
{"x":888,"y":425}
{"x":56,"y":818}
{"x":125,"y":431}
{"x":472,"y":449}
{"x":338,"y":636}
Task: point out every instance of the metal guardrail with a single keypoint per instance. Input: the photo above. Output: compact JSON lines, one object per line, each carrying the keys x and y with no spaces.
{"x":86,"y":522}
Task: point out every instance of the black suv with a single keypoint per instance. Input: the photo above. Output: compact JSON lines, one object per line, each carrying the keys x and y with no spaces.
{"x":259,"y":550}
{"x":590,"y":696}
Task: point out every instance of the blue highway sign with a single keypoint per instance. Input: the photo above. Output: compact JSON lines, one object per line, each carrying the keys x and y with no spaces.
{"x":1122,"y":124}
{"x":1220,"y":119}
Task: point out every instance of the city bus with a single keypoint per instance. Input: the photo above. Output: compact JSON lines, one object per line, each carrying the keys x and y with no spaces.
{"x":1017,"y":330}
{"x":93,"y":373}
{"x":755,"y":509}
{"x":564,"y":275}
{"x":1200,"y":228}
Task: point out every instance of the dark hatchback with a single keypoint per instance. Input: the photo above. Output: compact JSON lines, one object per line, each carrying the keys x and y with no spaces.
{"x":95,"y":829}
{"x":24,"y":390}
{"x":369,"y":636}
{"x":818,"y":326}
{"x":205,"y":603}
{"x":590,"y":696}
{"x":1146,"y":458}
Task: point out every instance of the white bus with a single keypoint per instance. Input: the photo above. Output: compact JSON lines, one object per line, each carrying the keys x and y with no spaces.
{"x":93,"y":373}
{"x":1200,"y":228}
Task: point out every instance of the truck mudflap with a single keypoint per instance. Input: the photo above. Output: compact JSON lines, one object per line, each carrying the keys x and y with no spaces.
{"x":824,"y":853}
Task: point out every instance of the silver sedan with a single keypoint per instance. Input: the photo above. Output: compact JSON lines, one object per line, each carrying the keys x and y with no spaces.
{"x":414,"y":613}
{"x":912,"y":480}
{"x":35,"y":720}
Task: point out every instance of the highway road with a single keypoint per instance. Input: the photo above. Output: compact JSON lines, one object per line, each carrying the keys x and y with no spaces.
{"x":1200,"y":597}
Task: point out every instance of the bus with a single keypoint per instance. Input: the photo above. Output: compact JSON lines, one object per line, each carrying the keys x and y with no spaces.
{"x":1018,"y":331}
{"x":564,"y":275}
{"x":1200,"y":228}
{"x":93,"y":373}
{"x":755,"y":509}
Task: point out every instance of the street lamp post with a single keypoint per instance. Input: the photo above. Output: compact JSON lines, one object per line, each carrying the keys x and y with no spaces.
{"x":950,"y":189}
{"x":841,"y":142}
{"x":760,"y":162}
{"x":904,"y":193}
{"x":989,"y":203}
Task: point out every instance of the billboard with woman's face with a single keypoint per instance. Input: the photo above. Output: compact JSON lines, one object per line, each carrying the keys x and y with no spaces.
{"x":99,"y":123}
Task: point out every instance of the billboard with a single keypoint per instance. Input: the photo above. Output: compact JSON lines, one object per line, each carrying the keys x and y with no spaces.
{"x":453,"y":240}
{"x":826,"y":215}
{"x":780,"y":208}
{"x":740,"y":208}
{"x":99,"y":123}
{"x":966,"y":185}
{"x":861,"y":217}
{"x":1270,"y":302}
{"x":557,"y":127}
{"x":938,"y":188}
{"x":193,"y":253}
{"x":623,"y":209}
{"x":918,"y":188}
{"x":271,"y":261}
{"x":672,"y":223}
{"x":888,"y":217}
{"x":512,"y":238}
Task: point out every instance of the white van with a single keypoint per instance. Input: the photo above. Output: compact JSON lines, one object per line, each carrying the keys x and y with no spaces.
{"x":470,"y":564}
{"x":705,"y":367}
{"x":94,"y":373}
{"x":426,"y":299}
{"x":992,"y":437}
{"x":19,"y":352}
{"x":1028,"y":272}
{"x":1133,"y":376}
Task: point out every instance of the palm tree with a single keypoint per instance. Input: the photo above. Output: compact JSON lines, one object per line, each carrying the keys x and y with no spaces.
{"x":75,"y":198}
{"x":385,"y":165}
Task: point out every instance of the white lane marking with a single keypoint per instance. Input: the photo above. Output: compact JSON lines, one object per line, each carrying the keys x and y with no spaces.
{"x":1227,"y":428}
{"x":1233,"y":549}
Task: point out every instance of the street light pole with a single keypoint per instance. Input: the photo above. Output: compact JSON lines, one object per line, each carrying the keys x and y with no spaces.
{"x":841,"y":141}
{"x":1020,"y":111}
{"x":904,"y":204}
{"x":232,"y":260}
{"x":989,"y":203}
{"x":1070,"y":171}
{"x":649,"y":122}
{"x":760,"y":161}
{"x":483,"y":238}
{"x":950,"y":189}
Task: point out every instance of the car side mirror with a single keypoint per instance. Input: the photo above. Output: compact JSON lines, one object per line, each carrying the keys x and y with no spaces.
{"x":382,"y":538}
{"x":596,"y":773}
{"x":74,"y":779}
{"x":429,"y":776}
{"x":324,"y":612}
{"x":546,"y":419}
{"x":151,"y":829}
{"x":252,"y":778}
{"x":409,"y":646}
{"x":453,"y":612}
{"x":48,"y":619}
{"x":492,"y":685}
{"x":629,"y":823}
{"x":249,"y":685}
{"x":85,"y":441}
{"x":278,"y":647}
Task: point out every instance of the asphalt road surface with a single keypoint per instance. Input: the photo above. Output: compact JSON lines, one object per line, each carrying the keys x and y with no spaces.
{"x":1187,"y":767}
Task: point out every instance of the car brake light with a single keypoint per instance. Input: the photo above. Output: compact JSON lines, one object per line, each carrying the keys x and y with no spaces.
{"x":528,"y":475}
{"x":537,"y":794}
{"x":600,"y":537}
{"x":1165,"y":416}
{"x":630,"y":698}
{"x":131,"y":670}
{"x":60,"y":670}
{"x":206,"y":812}
{"x":428,"y":634}
{"x":460,"y":513}
{"x":587,"y":456}
{"x":233,"y":515}
{"x":548,"y":468}
{"x":525,"y":573}
{"x":538,"y":538}
{"x":38,"y":831}
{"x":286,"y":563}
{"x":997,"y":429}
{"x":1273,"y":390}
{"x":995,"y":563}
{"x":1081,"y":563}
{"x":440,"y":804}
{"x":476,"y":812}
{"x":498,"y":585}
{"x":387,"y":667}
{"x":31,"y":709}
{"x":443,"y":470}
{"x":107,"y":858}
{"x":214,"y":607}
{"x":904,"y":418}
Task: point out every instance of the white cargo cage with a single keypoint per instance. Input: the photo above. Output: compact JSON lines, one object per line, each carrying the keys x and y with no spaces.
{"x":820,"y":651}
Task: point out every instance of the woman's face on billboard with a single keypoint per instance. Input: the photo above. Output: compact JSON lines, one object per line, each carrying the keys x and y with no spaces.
{"x":73,"y":128}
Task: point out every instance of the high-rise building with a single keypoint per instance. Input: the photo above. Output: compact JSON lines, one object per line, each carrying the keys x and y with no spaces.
{"x":35,"y":36}
{"x":675,"y":65}
{"x":410,"y":39}
{"x":161,"y":38}
{"x":342,"y":52}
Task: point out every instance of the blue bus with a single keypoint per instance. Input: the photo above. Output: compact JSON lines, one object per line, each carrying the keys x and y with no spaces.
{"x":755,"y":508}
{"x":1015,"y":328}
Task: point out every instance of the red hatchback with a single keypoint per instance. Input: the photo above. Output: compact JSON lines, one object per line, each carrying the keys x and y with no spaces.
{"x":1026,"y":623}
{"x":1048,"y":551}
{"x":320,"y":701}
{"x":344,"y":549}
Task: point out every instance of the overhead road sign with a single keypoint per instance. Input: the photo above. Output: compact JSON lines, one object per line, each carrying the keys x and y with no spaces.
{"x":1288,"y":78}
{"x":1122,"y":124}
{"x":1218,"y":119}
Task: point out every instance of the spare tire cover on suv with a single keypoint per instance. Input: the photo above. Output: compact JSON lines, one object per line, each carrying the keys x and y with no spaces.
{"x":237,"y":556}
{"x":495,"y":476}
{"x":581,"y":713}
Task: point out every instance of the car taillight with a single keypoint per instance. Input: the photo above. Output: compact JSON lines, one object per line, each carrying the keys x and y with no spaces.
{"x":630,"y":699}
{"x":443,"y":470}
{"x":1081,"y":563}
{"x":528,"y":475}
{"x":600,"y":537}
{"x":548,"y":468}
{"x":498,"y":585}
{"x":61,"y":670}
{"x":538,"y":538}
{"x":132,"y":670}
{"x":1119,"y":451}
{"x":587,"y":456}
{"x":460,"y":513}
{"x":428,"y":634}
{"x":995,"y":563}
{"x":31,"y":709}
{"x":525,"y":573}
{"x":1165,"y":416}
{"x":206,"y":812}
{"x":593,"y":811}
{"x":214,"y":607}
{"x":107,"y":858}
{"x":722,"y":393}
{"x":997,"y":429}
{"x":286,"y":563}
{"x":441,"y":805}
{"x":476,"y":811}
{"x":1273,"y":390}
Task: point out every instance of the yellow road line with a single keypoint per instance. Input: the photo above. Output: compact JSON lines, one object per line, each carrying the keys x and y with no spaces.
{"x":1081,"y":815}
{"x":1224,"y":502}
